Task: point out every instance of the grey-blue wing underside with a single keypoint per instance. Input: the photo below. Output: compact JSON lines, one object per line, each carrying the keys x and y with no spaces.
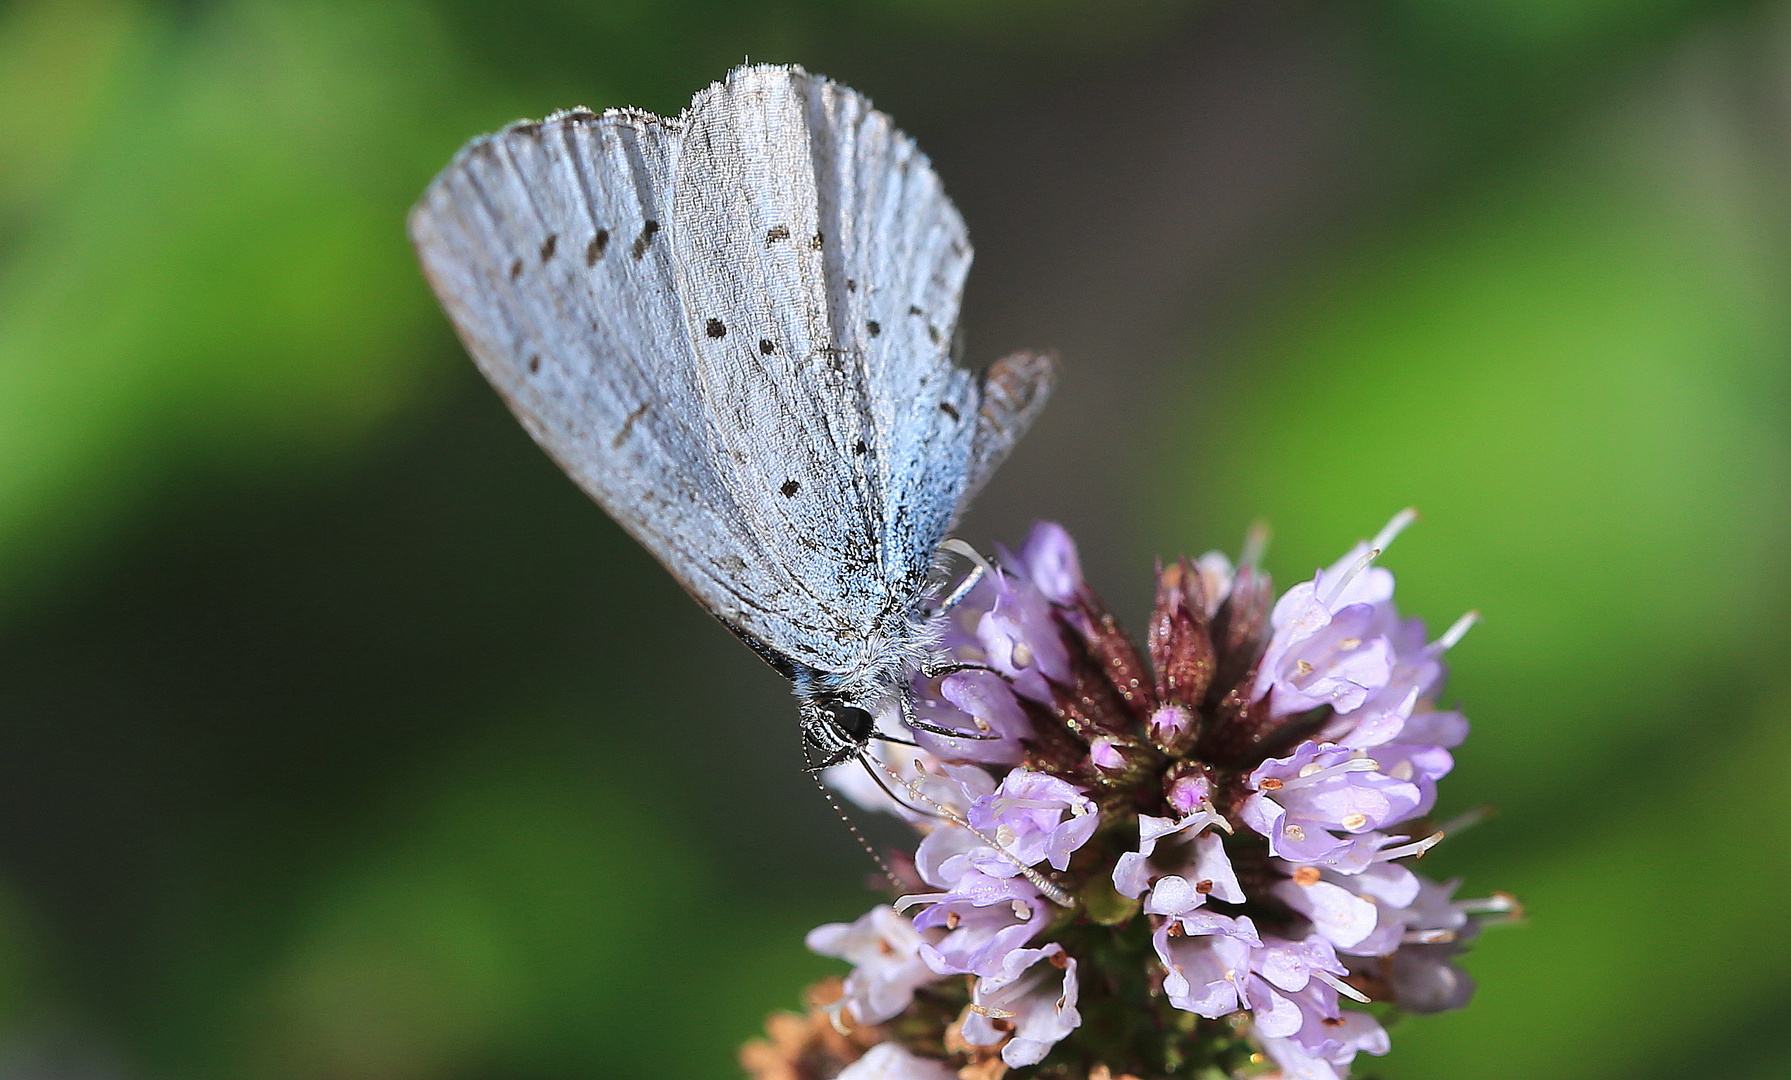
{"x":730,"y":329}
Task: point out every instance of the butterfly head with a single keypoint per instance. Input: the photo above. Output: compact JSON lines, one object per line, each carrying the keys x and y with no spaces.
{"x":833,"y":731}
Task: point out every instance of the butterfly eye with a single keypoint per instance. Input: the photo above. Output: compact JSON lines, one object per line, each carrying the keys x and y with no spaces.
{"x":852,"y":720}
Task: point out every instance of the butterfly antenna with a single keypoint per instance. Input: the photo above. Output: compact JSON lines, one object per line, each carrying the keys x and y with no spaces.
{"x":1053,"y":891}
{"x":865,"y":760}
{"x":894,"y":882}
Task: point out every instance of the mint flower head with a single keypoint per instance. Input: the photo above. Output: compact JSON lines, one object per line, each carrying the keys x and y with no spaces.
{"x":1190,"y":859}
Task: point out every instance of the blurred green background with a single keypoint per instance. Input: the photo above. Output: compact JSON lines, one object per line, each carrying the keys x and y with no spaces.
{"x":342,"y":738}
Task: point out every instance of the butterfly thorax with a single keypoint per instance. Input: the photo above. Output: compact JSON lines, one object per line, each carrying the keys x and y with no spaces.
{"x":838,"y":710}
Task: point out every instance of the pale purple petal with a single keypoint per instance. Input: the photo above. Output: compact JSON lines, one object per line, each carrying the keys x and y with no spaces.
{"x":985,"y":918}
{"x":1049,"y":558}
{"x":884,"y":948}
{"x":1131,"y":874}
{"x":1202,"y":975}
{"x":1213,"y":867}
{"x":965,"y":697}
{"x":1340,"y":915}
{"x":1173,"y":895}
{"x":1425,"y":981}
{"x":1039,"y":818}
{"x":1276,"y":1015}
{"x":1105,"y":754}
{"x":892,"y":1061}
{"x":1042,"y":1006}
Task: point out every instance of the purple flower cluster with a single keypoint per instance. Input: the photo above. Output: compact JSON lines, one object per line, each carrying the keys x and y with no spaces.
{"x":1229,"y":822}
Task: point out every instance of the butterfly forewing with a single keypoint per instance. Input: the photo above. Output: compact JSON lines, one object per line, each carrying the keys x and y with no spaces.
{"x":784,"y":394}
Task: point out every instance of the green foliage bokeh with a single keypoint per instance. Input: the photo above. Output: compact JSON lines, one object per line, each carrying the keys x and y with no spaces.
{"x":340,"y":738}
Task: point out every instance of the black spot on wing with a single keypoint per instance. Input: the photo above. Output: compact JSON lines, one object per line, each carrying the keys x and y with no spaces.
{"x":648,"y":228}
{"x":766,"y":347}
{"x":534,"y":364}
{"x":860,"y":449}
{"x":912,"y":310}
{"x":548,"y":245}
{"x":515,"y":269}
{"x":790,"y":488}
{"x":715,"y":329}
{"x":948,"y":409}
{"x":594,"y":250}
{"x":873,"y":327}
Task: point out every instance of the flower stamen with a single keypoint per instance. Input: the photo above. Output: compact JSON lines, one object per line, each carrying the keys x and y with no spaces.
{"x":1341,"y":987}
{"x":1355,"y":570}
{"x":1414,"y":849}
{"x":1306,"y":779}
{"x":1452,"y":636}
{"x":1391,"y":530}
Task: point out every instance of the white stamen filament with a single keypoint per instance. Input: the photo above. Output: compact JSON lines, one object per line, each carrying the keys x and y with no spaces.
{"x":1355,"y":571}
{"x":1341,"y":987}
{"x":1307,"y":779}
{"x":1452,"y":636}
{"x":1428,"y":937}
{"x":1417,"y":847}
{"x":903,"y":903}
{"x":1496,"y":904}
{"x":833,"y":1011}
{"x":1218,"y":821}
{"x":1391,"y":530}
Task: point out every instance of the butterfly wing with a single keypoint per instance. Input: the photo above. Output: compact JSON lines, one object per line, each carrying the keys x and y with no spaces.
{"x":547,"y":244}
{"x":826,"y":227}
{"x":731,"y":331}
{"x":1013,"y":393}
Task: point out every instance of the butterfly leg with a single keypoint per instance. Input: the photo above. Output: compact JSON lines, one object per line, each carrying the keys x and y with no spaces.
{"x":906,"y":699}
{"x":956,"y":666}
